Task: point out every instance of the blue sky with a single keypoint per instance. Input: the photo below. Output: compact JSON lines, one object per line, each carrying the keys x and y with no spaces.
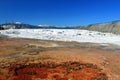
{"x":59,"y":12}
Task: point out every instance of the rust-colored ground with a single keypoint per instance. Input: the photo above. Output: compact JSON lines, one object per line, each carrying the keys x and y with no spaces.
{"x":28,"y":59}
{"x":53,"y":71}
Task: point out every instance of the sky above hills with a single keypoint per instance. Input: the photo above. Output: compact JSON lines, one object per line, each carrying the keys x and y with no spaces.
{"x":59,"y":12}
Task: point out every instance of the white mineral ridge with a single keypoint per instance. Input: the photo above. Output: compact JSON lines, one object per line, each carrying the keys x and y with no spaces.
{"x":64,"y":35}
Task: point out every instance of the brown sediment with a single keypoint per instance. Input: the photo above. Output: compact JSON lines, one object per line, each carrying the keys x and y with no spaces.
{"x":29,"y":59}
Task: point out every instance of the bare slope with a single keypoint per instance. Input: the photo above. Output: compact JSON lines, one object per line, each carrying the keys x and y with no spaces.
{"x":111,"y":27}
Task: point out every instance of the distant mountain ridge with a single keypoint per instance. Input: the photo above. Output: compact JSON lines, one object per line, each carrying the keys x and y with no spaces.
{"x":110,"y":27}
{"x":28,"y":26}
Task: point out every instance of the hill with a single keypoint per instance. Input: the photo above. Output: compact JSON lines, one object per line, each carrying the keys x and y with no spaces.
{"x":111,"y":27}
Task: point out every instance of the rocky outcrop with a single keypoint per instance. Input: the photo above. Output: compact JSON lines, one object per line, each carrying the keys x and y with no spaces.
{"x":111,"y":27}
